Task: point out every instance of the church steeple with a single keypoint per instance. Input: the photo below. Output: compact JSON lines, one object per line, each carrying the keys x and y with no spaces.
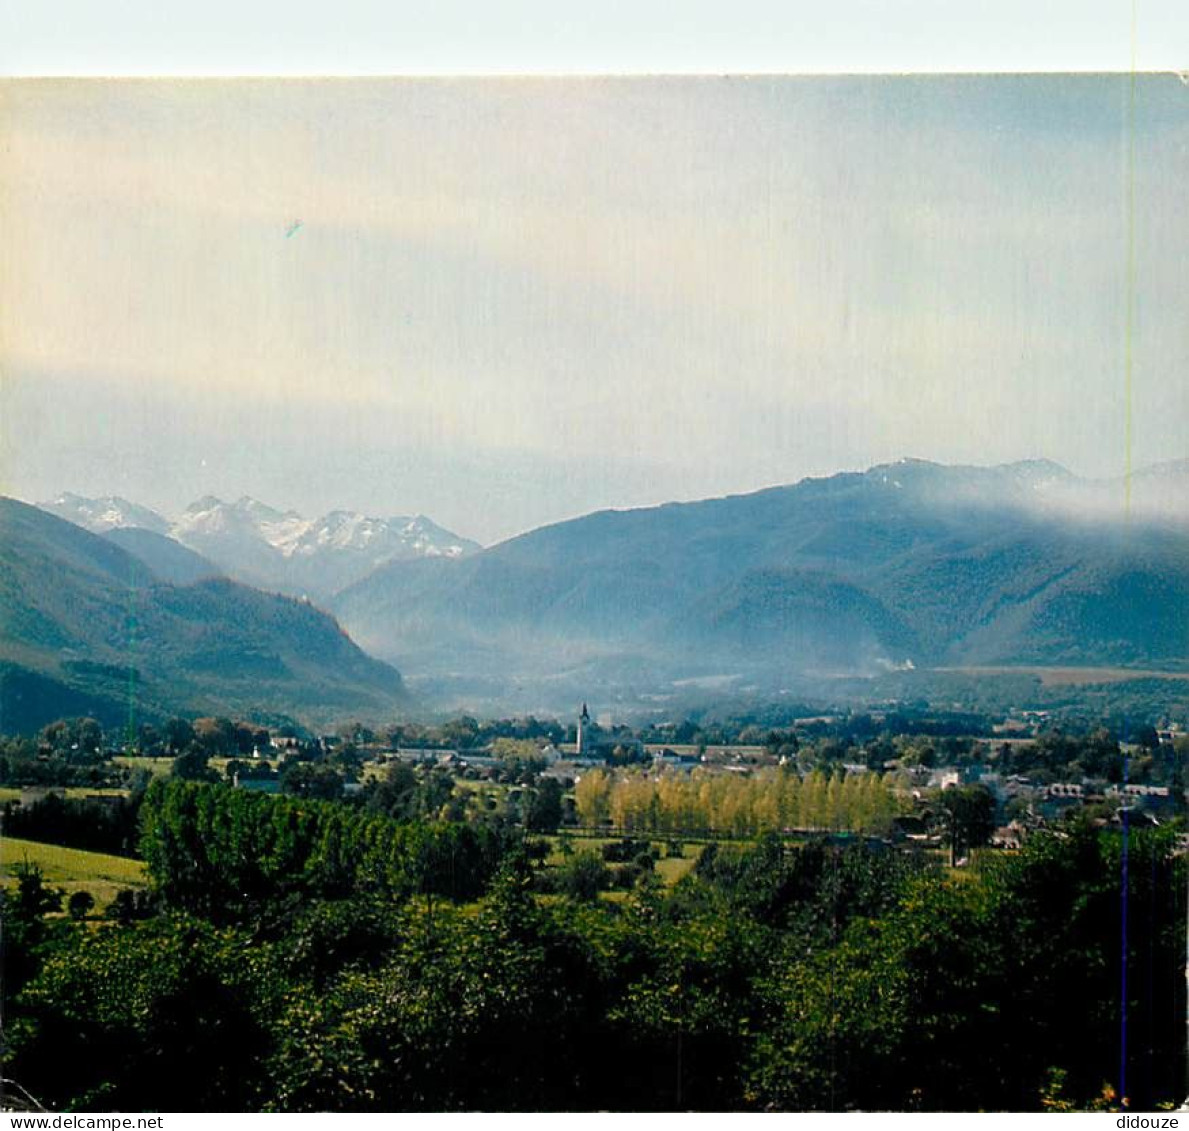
{"x":583,"y":727}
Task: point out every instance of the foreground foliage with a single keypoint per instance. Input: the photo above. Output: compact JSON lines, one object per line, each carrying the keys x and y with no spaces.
{"x":308,"y":958}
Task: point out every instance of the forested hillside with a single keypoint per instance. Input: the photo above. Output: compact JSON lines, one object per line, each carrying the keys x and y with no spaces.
{"x":908,"y":564}
{"x":87,"y":628}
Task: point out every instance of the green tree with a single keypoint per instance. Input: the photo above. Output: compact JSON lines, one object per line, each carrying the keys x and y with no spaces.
{"x":173,"y":993}
{"x":179,"y":733}
{"x":148,"y":740}
{"x":433,"y":793}
{"x":310,"y":779}
{"x":193,"y":765}
{"x":34,"y":899}
{"x":545,"y":808}
{"x":968,"y":813}
{"x":395,"y":793}
{"x":582,"y":876}
{"x":215,"y":735}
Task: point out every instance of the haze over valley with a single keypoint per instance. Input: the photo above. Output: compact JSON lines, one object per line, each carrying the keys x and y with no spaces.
{"x":907,"y":565}
{"x":824,"y":587}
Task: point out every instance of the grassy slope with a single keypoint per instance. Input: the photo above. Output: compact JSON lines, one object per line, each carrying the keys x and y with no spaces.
{"x":72,"y":869}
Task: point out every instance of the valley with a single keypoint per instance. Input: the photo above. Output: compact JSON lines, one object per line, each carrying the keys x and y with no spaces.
{"x":858,"y":585}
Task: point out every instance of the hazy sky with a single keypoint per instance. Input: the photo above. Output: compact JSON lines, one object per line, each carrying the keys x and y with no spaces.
{"x":505,"y":302}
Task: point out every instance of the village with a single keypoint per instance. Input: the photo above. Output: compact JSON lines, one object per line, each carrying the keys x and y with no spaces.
{"x":891,"y":779}
{"x":1030,"y":789}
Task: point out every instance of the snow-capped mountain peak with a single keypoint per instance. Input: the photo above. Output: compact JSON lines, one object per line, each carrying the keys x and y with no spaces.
{"x":389,"y":538}
{"x":277,"y":549}
{"x":106,"y":513}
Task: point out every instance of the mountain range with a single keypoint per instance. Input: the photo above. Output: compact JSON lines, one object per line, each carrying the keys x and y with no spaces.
{"x":906,"y":564}
{"x":262,"y":546}
{"x":90,"y":627}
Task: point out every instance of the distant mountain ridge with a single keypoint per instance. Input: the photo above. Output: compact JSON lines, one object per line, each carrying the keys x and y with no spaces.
{"x":88,"y":626}
{"x":256,"y":543}
{"x":906,"y":563}
{"x":110,"y":512}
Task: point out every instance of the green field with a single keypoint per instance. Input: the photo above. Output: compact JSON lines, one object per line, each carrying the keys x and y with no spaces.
{"x":669,"y":869}
{"x":673,"y":868}
{"x":158,"y":767}
{"x":73,"y":792}
{"x":71,"y":869}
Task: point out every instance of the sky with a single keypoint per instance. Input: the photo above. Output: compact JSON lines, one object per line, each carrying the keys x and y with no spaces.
{"x":505,"y":302}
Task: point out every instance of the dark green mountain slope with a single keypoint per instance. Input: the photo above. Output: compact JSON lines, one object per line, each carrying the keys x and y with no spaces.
{"x":167,"y":559}
{"x":862,"y":571}
{"x":80,"y":614}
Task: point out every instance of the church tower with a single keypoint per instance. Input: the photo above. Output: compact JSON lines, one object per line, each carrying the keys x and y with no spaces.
{"x":583,"y":731}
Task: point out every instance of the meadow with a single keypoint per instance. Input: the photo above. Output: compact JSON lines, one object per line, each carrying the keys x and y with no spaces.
{"x":72,"y":869}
